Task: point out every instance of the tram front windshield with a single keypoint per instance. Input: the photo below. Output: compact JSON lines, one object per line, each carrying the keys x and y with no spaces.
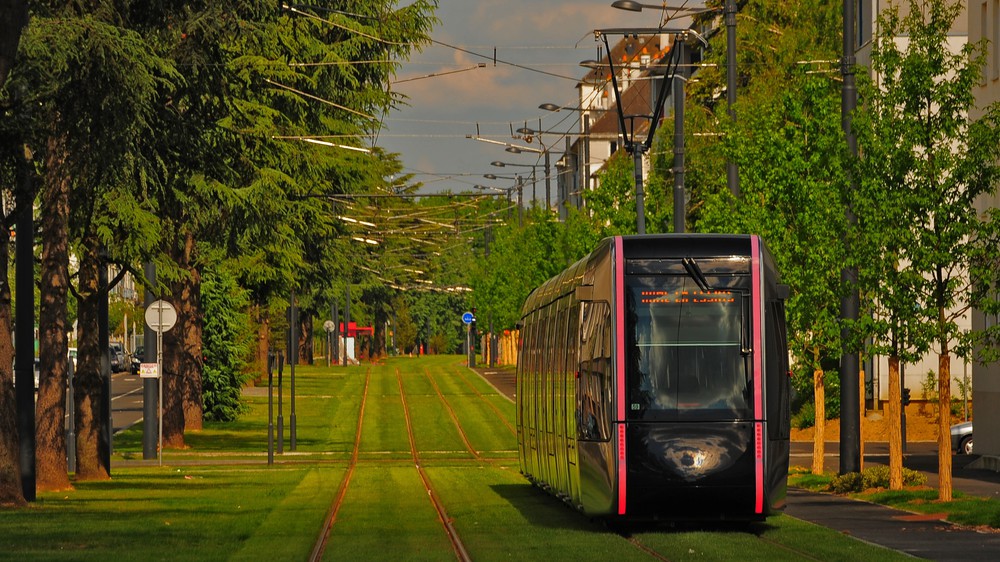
{"x":688,"y":355}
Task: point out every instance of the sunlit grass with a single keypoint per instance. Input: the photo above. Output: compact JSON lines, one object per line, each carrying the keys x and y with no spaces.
{"x":219,"y":500}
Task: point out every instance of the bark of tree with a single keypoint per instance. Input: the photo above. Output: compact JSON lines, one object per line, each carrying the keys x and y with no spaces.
{"x":10,"y":452}
{"x":378,"y":343}
{"x":50,"y":407}
{"x":182,"y":360}
{"x":895,"y":430}
{"x":173,"y":387}
{"x":263,"y":328}
{"x":944,"y":425}
{"x":305,"y":334}
{"x":13,"y":18}
{"x":820,"y":421}
{"x":91,"y":445}
{"x":192,"y":327}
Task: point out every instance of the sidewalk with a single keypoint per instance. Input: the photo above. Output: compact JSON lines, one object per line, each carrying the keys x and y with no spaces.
{"x":922,"y":536}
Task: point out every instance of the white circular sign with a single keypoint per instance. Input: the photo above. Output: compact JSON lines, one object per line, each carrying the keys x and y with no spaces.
{"x":161,"y":316}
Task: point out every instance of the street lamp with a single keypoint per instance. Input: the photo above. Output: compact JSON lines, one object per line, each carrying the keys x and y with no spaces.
{"x":637,"y":7}
{"x":534,"y":180}
{"x":519,"y":186}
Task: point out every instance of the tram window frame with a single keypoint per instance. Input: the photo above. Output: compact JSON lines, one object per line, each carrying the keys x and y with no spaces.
{"x":594,"y":385}
{"x":706,"y":407}
{"x":778,"y":384}
{"x":526,"y":370}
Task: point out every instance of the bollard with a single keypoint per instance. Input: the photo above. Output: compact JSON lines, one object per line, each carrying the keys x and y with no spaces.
{"x":270,"y":408}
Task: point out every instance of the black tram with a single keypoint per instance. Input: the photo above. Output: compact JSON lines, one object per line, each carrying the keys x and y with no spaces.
{"x":652,"y":381}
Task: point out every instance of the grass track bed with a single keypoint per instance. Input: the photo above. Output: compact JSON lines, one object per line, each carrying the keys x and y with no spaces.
{"x":387,"y":516}
{"x":226,"y":503}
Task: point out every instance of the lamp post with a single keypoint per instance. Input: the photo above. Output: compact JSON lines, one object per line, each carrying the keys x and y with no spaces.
{"x":534,"y":182}
{"x":582,"y":155}
{"x":519,"y":186}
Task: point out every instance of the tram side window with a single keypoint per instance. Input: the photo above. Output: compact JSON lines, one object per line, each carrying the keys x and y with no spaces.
{"x":777,"y":372}
{"x":526,"y":378}
{"x":594,"y":396}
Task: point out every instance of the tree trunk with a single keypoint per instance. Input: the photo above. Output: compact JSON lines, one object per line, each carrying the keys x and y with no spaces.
{"x":895,"y":430}
{"x":305,"y":343}
{"x":50,"y":408}
{"x":91,"y":445}
{"x":944,"y":425}
{"x":820,"y":424}
{"x":10,"y":450}
{"x":194,"y":411}
{"x":173,"y":383}
{"x":263,"y":330}
{"x":378,"y":338}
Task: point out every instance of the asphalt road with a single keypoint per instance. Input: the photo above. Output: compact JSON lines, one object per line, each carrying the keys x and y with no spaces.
{"x":126,"y":400}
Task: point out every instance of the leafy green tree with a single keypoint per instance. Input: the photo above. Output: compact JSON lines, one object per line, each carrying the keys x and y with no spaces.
{"x":228,"y":343}
{"x":920,"y":183}
{"x":84,"y":91}
{"x":612,"y":202}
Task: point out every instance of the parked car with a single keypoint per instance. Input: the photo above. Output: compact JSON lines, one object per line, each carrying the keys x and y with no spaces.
{"x":117,"y":357}
{"x":961,"y":438}
{"x":135,"y":361}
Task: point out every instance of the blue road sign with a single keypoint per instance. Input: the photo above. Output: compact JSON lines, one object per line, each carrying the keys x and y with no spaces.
{"x":468,"y":318}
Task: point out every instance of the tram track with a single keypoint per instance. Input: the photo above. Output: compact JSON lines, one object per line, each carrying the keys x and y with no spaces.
{"x":453,"y":415}
{"x":492,"y":406}
{"x":331,"y":518}
{"x":456,"y":542}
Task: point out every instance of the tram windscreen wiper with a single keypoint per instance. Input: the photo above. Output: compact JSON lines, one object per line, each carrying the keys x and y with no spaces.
{"x":694,"y":271}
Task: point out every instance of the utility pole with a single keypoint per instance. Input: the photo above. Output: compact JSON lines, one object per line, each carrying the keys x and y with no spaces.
{"x":850,"y":408}
{"x":732,"y":174}
{"x":679,"y":140}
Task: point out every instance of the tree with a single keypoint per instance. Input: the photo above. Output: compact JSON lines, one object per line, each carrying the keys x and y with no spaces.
{"x":228,"y":344}
{"x":928,"y":172}
{"x":85,"y":89}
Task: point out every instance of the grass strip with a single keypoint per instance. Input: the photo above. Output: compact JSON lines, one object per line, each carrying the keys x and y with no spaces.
{"x":387,"y":515}
{"x":163,"y":514}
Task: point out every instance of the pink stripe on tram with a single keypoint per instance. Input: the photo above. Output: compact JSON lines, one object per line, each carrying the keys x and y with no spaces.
{"x":757,"y":289}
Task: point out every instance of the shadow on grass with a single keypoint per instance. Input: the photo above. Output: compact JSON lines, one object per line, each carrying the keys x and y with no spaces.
{"x":544,"y":510}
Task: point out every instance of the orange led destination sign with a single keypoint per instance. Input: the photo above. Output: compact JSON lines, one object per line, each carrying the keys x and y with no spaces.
{"x":686,"y":297}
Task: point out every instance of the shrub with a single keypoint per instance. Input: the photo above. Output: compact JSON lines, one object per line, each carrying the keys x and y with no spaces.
{"x":873,"y":477}
{"x":805,"y":417}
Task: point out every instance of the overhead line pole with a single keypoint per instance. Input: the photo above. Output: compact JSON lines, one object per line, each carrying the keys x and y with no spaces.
{"x":850,"y":407}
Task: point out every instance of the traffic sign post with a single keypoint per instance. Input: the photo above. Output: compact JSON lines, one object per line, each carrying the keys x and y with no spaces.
{"x":469,"y":319}
{"x":160,"y":317}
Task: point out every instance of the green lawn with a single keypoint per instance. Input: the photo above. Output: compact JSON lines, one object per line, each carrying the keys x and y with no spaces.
{"x":219,"y":500}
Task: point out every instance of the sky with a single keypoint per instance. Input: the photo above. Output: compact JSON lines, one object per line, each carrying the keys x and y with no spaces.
{"x":450,"y":97}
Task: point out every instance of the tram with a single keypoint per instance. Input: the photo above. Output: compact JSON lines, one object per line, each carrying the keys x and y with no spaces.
{"x":652,"y":380}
